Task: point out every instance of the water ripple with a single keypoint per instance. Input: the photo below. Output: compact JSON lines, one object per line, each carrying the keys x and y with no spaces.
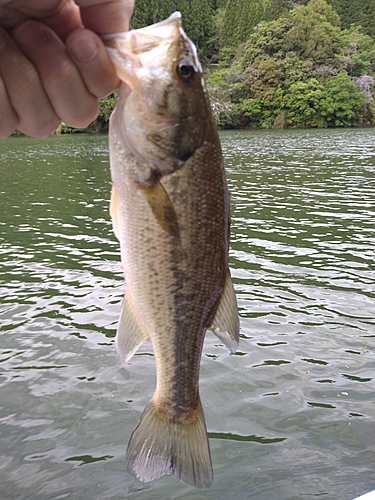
{"x":290,"y":415}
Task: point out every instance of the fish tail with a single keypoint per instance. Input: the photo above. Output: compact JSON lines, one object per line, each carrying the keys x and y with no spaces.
{"x":162,"y":445}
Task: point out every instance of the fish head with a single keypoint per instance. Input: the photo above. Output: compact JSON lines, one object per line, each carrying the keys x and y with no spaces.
{"x":163,"y":107}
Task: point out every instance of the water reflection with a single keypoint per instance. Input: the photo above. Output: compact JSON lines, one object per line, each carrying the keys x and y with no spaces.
{"x":290,"y":415}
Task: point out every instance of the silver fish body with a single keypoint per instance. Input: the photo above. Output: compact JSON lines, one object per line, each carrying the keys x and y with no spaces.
{"x":170,"y":212}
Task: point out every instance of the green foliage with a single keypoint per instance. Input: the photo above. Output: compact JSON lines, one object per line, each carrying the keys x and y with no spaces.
{"x":303,"y":104}
{"x":359,"y":51}
{"x":359,"y":12}
{"x":214,"y":41}
{"x":299,"y":71}
{"x":263,"y":79}
{"x":148,"y":12}
{"x":315,"y":34}
{"x":228,"y":85}
{"x":242,"y":16}
{"x":323,"y":9}
{"x":261,"y":112}
{"x":197,"y":18}
{"x":107,"y":105}
{"x":341,"y":101}
{"x":220,"y":4}
{"x":267,"y":40}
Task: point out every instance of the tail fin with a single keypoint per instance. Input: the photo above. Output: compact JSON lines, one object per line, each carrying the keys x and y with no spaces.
{"x":160,"y":445}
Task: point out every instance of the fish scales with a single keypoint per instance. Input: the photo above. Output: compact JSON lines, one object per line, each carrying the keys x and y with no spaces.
{"x":175,"y":282}
{"x":170,"y":210}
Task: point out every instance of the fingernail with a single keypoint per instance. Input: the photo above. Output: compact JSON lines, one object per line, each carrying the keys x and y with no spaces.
{"x":84,"y":48}
{"x":31,"y":34}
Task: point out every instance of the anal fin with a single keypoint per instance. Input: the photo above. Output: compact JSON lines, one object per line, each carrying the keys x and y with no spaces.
{"x":130,"y":334}
{"x":114,"y":210}
{"x":226,"y":323}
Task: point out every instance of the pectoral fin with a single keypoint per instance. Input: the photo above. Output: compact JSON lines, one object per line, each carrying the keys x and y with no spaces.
{"x":162,"y":208}
{"x":226,"y":324}
{"x":130,"y":334}
{"x":114,"y":210}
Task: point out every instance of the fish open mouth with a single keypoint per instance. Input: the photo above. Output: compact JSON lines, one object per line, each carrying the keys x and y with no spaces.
{"x":133,"y":50}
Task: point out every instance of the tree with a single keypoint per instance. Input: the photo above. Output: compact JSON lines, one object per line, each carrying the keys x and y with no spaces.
{"x":340,"y":101}
{"x":267,"y":41}
{"x":263,"y":78}
{"x":324,"y":9}
{"x":242,"y":16}
{"x":197,"y":17}
{"x":358,"y":51}
{"x":198,"y":22}
{"x":148,"y":12}
{"x":316,"y":33}
{"x":303,"y":104}
{"x":360,"y":12}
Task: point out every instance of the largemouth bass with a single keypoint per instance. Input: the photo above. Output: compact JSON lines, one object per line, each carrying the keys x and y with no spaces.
{"x":170,"y":212}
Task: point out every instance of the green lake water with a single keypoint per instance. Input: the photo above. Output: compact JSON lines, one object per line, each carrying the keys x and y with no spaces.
{"x":290,"y":416}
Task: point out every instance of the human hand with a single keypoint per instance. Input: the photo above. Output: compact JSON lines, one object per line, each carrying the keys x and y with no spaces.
{"x":53,"y":65}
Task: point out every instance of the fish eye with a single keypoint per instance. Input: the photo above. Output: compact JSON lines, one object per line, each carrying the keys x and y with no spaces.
{"x":186,"y":70}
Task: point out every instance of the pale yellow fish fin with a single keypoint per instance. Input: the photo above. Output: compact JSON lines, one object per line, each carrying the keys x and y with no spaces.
{"x":130,"y":334}
{"x":114,"y":211}
{"x":162,"y":208}
{"x":163,"y":445}
{"x":226,"y":323}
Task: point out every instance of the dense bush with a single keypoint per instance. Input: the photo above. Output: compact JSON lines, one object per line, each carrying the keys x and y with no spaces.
{"x":301,"y":70}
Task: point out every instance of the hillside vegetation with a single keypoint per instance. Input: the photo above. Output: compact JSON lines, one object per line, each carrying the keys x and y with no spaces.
{"x":277,"y":63}
{"x":300,"y":69}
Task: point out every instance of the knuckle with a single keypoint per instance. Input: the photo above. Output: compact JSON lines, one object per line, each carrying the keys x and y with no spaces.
{"x":25,"y":79}
{"x":59,"y":73}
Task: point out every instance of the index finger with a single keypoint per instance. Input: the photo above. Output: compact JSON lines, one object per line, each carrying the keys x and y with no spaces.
{"x":106,"y":16}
